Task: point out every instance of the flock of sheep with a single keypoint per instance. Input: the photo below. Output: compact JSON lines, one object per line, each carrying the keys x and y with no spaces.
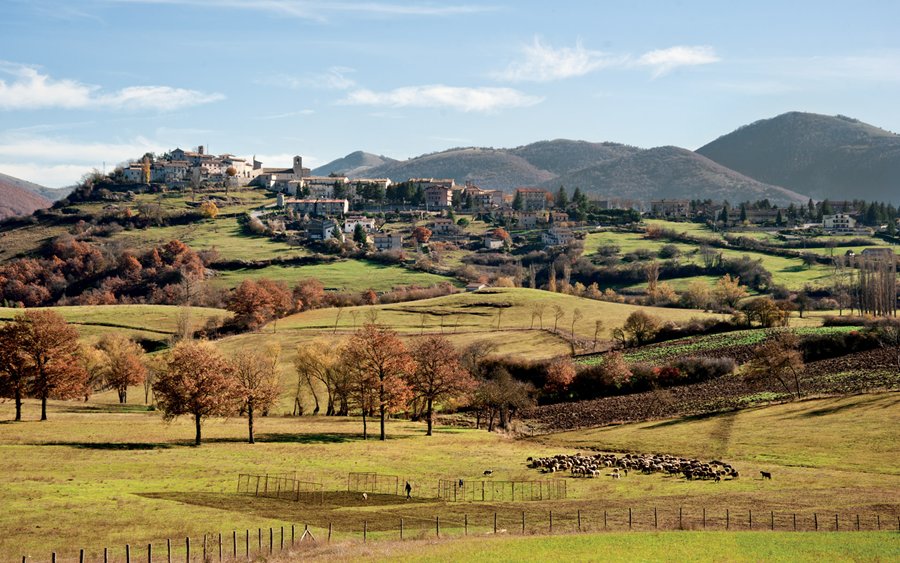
{"x":618,"y":466}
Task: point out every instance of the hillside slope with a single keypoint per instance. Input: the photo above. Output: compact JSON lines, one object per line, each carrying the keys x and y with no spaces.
{"x":355,"y":164}
{"x":824,"y":156}
{"x":53,"y":194}
{"x":671,"y":172}
{"x":17,"y":200}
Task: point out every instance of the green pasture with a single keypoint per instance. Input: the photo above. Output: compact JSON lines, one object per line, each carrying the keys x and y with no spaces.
{"x":98,"y":475}
{"x":342,"y":275}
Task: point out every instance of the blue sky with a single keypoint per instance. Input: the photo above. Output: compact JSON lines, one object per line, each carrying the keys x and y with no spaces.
{"x":94,"y":81}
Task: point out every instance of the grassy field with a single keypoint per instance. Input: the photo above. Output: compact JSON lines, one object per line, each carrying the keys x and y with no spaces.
{"x":98,"y":475}
{"x":148,"y":322}
{"x":224,"y":235}
{"x":667,"y":546}
{"x":343,"y":275}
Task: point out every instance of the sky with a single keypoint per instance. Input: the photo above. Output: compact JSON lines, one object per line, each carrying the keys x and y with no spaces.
{"x":88,"y":84}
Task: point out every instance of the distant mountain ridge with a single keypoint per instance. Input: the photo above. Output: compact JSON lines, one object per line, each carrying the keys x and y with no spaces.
{"x":833,"y":157}
{"x":356,"y":165}
{"x":672,"y":173}
{"x":17,"y":199}
{"x":53,"y":194}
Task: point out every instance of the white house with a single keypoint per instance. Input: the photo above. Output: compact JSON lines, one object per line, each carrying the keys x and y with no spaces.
{"x":839,"y":222}
{"x":388,"y":241}
{"x":557,"y":236}
{"x":350,"y":223}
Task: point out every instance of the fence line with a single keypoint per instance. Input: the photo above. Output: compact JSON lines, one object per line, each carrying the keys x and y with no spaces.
{"x":245,"y":545}
{"x":456,"y":490}
{"x":275,"y":486}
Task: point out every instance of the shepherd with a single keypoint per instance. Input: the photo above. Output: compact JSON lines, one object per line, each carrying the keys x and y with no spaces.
{"x":408,"y":491}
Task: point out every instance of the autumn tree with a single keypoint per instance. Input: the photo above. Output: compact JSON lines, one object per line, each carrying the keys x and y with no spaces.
{"x":729,"y":290}
{"x":122,"y":363}
{"x":639,"y":328}
{"x":438,"y":375}
{"x":198,"y":381}
{"x":380,"y":363}
{"x":15,"y":371}
{"x":316,"y":364}
{"x":778,"y":358}
{"x":558,"y":314}
{"x":255,"y":302}
{"x":256,"y":381}
{"x":501,"y":396}
{"x":559,"y":374}
{"x":421,"y":234}
{"x":210,"y":209}
{"x":49,"y":345}
{"x":309,"y":294}
{"x":696,"y":296}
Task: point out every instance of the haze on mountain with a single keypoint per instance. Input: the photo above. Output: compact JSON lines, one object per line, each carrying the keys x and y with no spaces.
{"x":355,"y":165}
{"x":834,"y":157}
{"x":671,"y":173}
{"x":17,"y":198}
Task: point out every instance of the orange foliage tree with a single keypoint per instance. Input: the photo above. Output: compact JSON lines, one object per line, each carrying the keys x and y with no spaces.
{"x":198,"y":382}
{"x":15,"y":372}
{"x":438,"y":375}
{"x":379,"y":364}
{"x":421,"y":234}
{"x":49,"y":345}
{"x":122,"y":364}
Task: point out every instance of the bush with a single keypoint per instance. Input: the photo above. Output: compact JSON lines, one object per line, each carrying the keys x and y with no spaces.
{"x":697,"y":369}
{"x":823,"y":346}
{"x":848,"y":320}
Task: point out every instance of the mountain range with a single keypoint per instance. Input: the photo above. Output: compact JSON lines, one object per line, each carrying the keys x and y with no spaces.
{"x":19,"y":197}
{"x":786,"y":159}
{"x":818,"y":155}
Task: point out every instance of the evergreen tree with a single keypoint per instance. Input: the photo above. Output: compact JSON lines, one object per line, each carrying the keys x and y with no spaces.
{"x":517,"y":203}
{"x":826,"y":208}
{"x":743,"y":212}
{"x":779,"y":220}
{"x":359,"y":235}
{"x":562,"y":200}
{"x":811,"y":207}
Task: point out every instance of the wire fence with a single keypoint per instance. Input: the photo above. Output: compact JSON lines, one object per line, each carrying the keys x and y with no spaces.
{"x":281,"y":486}
{"x":263,"y":543}
{"x":363,"y":482}
{"x":456,"y":490}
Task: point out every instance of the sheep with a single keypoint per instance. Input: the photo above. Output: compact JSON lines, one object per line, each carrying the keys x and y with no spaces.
{"x":365,"y":496}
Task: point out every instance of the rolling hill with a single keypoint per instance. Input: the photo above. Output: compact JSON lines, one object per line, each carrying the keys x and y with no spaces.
{"x":824,"y":156}
{"x":671,"y":172}
{"x":355,"y":164}
{"x":53,"y":194}
{"x":16,"y":199}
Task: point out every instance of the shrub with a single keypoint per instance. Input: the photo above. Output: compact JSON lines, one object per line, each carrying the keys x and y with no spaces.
{"x":847,"y":320}
{"x":697,"y":369}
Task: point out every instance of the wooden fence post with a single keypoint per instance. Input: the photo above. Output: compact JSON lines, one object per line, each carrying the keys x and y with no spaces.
{"x":292,"y":535}
{"x":857,"y":522}
{"x":437,"y":526}
{"x":772,"y":520}
{"x":878,"y":521}
{"x":234,"y":544}
{"x":836,"y":525}
{"x":247,"y":543}
{"x":816,"y":521}
{"x":551,"y":521}
{"x":81,"y":556}
{"x":106,"y":555}
{"x":271,"y":540}
{"x":604,"y":519}
{"x":629,"y":518}
{"x":465,"y":524}
{"x":259,"y":537}
{"x":750,"y":518}
{"x":204,"y":548}
{"x":220,"y":546}
{"x":149,"y":553}
{"x":680,"y":519}
{"x":282,"y":538}
{"x":579,"y":519}
{"x":727,"y":518}
{"x":655,"y":519}
{"x":795,"y":521}
{"x":53,"y":557}
{"x":187,"y":547}
{"x":127,"y":553}
{"x":168,"y":551}
{"x":365,"y":530}
{"x":495,"y":523}
{"x":704,"y":517}
{"x":329,"y":532}
{"x":523,"y":521}
{"x":401,"y":528}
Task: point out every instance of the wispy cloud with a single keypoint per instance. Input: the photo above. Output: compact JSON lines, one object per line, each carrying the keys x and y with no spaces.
{"x":289,"y":114}
{"x":29,"y":88}
{"x":335,"y":78}
{"x":664,"y":61}
{"x":542,"y":63}
{"x":486,"y":100}
{"x":321,"y":10}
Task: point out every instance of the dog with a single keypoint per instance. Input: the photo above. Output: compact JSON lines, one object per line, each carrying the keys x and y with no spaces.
{"x":488,"y":472}
{"x":766,"y":475}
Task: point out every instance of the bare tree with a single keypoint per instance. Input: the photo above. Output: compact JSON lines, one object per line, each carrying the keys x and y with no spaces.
{"x":558,"y":314}
{"x":777,"y":358}
{"x":256,"y":377}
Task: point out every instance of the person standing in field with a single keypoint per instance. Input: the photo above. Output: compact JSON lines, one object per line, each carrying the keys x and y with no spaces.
{"x":408,"y":491}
